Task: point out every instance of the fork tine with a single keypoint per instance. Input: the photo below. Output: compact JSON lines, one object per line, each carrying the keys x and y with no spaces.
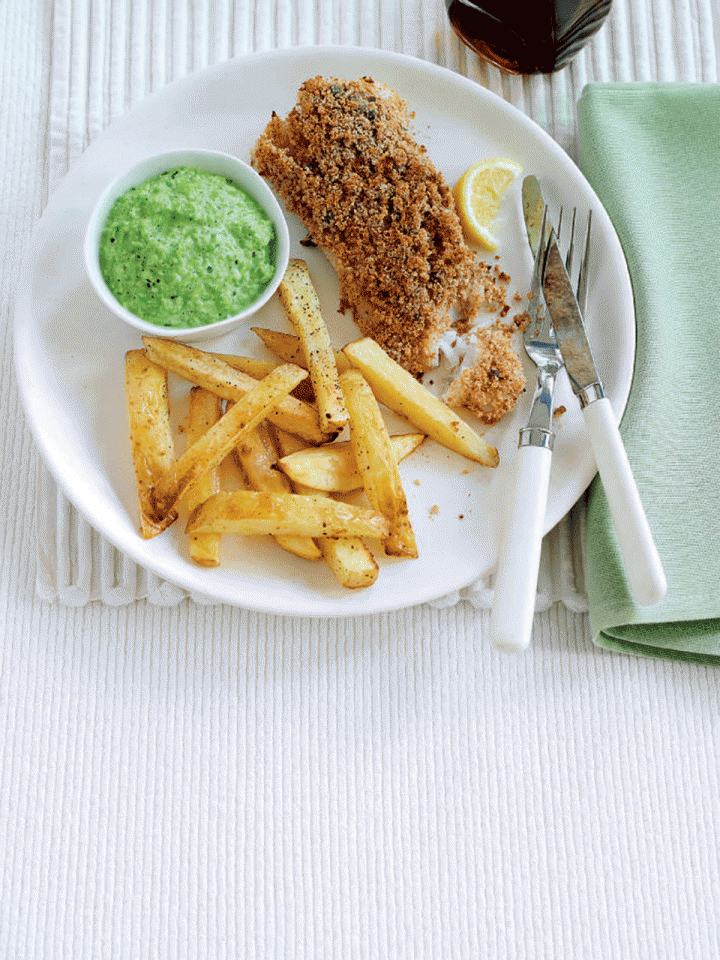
{"x":540,"y":252}
{"x":570,"y":256}
{"x":583,"y":275}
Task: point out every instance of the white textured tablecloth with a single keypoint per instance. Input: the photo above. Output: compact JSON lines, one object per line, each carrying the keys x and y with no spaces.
{"x":196,"y":781}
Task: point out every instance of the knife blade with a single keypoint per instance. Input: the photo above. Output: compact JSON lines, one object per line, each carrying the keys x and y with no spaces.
{"x":569,"y":327}
{"x":534,"y":212}
{"x":643,"y":568}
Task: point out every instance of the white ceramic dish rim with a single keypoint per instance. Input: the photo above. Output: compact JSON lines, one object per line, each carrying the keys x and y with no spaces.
{"x":478,"y":121}
{"x":211,"y":161}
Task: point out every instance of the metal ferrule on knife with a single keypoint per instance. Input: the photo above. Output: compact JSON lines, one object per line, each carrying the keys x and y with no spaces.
{"x":589,"y":394}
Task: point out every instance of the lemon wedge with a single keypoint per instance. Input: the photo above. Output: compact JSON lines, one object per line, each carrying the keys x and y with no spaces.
{"x":477,"y":197}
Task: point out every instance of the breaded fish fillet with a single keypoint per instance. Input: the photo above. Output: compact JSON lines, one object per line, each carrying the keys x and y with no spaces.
{"x":491,"y":386}
{"x":345,"y":163}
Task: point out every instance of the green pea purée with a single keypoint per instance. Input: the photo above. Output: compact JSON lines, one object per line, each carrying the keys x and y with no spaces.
{"x":187,"y":248}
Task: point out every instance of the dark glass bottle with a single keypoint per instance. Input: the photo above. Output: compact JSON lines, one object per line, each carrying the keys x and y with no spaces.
{"x":531,"y":36}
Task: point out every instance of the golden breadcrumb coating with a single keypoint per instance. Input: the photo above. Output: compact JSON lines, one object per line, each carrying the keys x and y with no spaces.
{"x":344,"y":161}
{"x":491,"y":386}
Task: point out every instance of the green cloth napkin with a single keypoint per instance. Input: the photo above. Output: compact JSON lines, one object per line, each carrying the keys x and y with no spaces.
{"x":651,"y":151}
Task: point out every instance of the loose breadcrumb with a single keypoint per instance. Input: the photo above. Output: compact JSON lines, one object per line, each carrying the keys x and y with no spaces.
{"x":491,"y":386}
{"x":344,"y":161}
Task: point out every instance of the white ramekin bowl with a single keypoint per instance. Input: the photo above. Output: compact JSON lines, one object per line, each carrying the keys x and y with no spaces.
{"x":213,"y":162}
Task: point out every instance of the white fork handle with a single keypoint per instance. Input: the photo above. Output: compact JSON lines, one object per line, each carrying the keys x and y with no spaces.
{"x":517,"y":573}
{"x":642,"y":562}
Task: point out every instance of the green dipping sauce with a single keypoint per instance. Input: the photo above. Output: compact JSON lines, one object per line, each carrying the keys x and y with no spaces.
{"x":187,"y":248}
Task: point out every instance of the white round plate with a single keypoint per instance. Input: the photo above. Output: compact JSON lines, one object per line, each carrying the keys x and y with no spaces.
{"x":70,"y":349}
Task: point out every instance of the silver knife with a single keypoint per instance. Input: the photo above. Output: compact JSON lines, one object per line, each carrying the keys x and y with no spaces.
{"x":642,"y":562}
{"x":534,"y":212}
{"x":515,"y":585}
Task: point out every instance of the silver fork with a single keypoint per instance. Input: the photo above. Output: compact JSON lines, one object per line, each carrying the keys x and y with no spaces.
{"x":581,"y":288}
{"x":517,"y":572}
{"x":542,"y":348}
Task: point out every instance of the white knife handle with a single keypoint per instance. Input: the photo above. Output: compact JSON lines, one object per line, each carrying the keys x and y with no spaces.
{"x":517,"y":573}
{"x":642,"y":562}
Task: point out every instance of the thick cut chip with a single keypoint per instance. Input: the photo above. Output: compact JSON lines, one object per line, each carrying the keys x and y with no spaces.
{"x":213,"y":446}
{"x":406,"y":396}
{"x":332,"y":467}
{"x":257,"y":369}
{"x":204,"y":410}
{"x":351,"y":562}
{"x":377,"y":465}
{"x":205,"y":370}
{"x":300,"y":302}
{"x":287,"y":347}
{"x":349,"y":559}
{"x":257,"y":458}
{"x":151,"y":440}
{"x":248,"y":512}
